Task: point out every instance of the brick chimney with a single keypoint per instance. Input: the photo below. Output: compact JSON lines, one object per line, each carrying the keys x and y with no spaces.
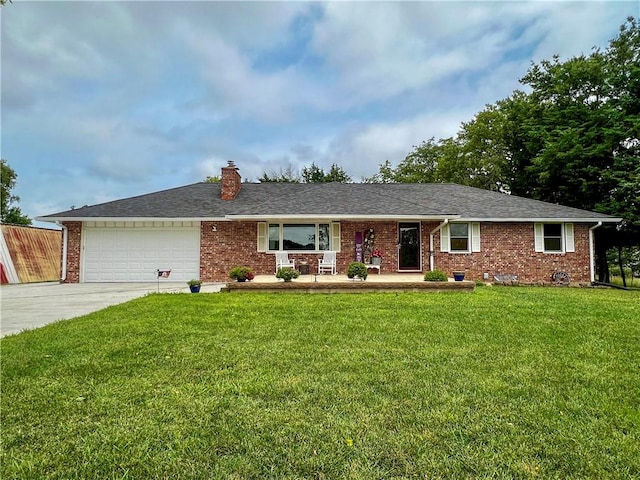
{"x":231,"y":181}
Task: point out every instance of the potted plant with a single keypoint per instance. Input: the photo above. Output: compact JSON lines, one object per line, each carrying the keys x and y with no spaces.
{"x":241,"y":274}
{"x":287,"y":273}
{"x":458,"y":275}
{"x":194,"y":285}
{"x":376,"y":257}
{"x":357,"y":270}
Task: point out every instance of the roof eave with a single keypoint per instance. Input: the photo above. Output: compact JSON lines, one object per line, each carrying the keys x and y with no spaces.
{"x":542,"y":219}
{"x":129,"y":219}
{"x":340,"y":217}
{"x":334,"y":217}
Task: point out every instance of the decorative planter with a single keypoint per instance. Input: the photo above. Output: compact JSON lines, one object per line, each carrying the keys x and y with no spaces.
{"x":242,"y":279}
{"x":458,"y":276}
{"x":375,"y":260}
{"x":194,"y":288}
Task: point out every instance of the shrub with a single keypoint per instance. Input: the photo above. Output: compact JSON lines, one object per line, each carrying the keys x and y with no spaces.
{"x":287,"y":273}
{"x":240,"y":272}
{"x":193,"y":282}
{"x":357,"y":269}
{"x":435,"y":276}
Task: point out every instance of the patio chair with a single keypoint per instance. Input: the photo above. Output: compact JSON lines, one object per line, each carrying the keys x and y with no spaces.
{"x":282,"y":260}
{"x":327,"y":263}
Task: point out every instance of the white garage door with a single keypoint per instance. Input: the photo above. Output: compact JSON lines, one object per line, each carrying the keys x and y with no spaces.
{"x":135,"y":252}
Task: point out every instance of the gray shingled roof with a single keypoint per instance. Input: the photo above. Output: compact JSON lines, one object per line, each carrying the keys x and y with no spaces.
{"x":338,"y":200}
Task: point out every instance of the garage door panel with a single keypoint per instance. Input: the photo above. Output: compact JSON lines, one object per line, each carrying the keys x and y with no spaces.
{"x":118,"y":265}
{"x":128,"y":255}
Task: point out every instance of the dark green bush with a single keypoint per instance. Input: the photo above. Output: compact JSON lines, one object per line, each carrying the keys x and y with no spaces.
{"x":241,"y":272}
{"x":357,"y":269}
{"x":435,"y":276}
{"x":287,"y":273}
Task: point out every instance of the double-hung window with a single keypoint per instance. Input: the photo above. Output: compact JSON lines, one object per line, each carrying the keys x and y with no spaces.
{"x":554,"y":237}
{"x":460,"y":237}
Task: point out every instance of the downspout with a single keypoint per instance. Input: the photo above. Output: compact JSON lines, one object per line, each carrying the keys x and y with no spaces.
{"x":592,"y":265}
{"x":65,"y":238}
{"x":431,"y":252}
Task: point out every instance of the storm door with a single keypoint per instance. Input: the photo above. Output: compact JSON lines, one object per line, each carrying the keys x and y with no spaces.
{"x":409,"y":246}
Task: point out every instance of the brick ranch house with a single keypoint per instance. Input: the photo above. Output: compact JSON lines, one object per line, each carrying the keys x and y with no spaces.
{"x":205,"y":229}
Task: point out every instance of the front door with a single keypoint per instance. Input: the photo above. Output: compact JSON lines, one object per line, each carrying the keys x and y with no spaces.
{"x":409,"y":246}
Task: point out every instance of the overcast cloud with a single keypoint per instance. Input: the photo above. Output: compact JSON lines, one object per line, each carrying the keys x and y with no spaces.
{"x":106,"y":100}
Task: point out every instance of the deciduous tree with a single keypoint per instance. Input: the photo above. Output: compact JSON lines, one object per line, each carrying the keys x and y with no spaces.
{"x":10,"y":213}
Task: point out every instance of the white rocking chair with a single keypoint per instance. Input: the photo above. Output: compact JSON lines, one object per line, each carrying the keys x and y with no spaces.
{"x":327,"y":263}
{"x":282,"y":260}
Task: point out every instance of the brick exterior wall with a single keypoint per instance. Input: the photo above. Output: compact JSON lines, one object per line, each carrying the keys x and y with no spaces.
{"x":74,"y":234}
{"x":386,"y":240}
{"x":506,"y":248}
{"x":236,"y":243}
{"x":228,"y":245}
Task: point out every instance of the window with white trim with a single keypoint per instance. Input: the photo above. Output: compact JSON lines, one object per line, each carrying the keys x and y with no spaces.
{"x":299,"y":237}
{"x":460,"y":237}
{"x":554,"y":237}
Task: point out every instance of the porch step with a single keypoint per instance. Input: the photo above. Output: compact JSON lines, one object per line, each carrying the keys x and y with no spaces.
{"x":351,"y":286}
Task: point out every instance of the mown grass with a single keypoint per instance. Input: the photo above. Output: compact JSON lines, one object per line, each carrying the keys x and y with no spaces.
{"x":501,"y":383}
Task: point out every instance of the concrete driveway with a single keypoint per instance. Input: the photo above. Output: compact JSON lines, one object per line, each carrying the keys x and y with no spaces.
{"x":32,"y":305}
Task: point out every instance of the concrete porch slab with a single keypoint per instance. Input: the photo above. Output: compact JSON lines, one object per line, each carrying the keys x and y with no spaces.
{"x":410,"y":282}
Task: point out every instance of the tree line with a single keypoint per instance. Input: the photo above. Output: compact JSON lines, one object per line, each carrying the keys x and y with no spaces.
{"x":311,"y":174}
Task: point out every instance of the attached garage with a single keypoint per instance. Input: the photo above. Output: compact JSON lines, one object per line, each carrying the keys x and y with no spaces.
{"x":135,"y":251}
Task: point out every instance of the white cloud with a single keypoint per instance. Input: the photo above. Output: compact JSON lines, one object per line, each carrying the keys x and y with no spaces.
{"x":385,"y":49}
{"x":362,"y":151}
{"x":358,"y":148}
{"x":235,"y":88}
{"x":572,"y":29}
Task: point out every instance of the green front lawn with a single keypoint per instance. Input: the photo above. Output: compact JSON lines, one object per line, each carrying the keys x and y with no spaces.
{"x":501,"y":383}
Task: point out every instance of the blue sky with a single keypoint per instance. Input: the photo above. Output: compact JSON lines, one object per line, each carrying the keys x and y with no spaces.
{"x":107,"y":100}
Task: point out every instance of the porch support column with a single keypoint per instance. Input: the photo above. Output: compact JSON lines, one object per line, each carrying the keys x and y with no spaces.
{"x":592,"y":259}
